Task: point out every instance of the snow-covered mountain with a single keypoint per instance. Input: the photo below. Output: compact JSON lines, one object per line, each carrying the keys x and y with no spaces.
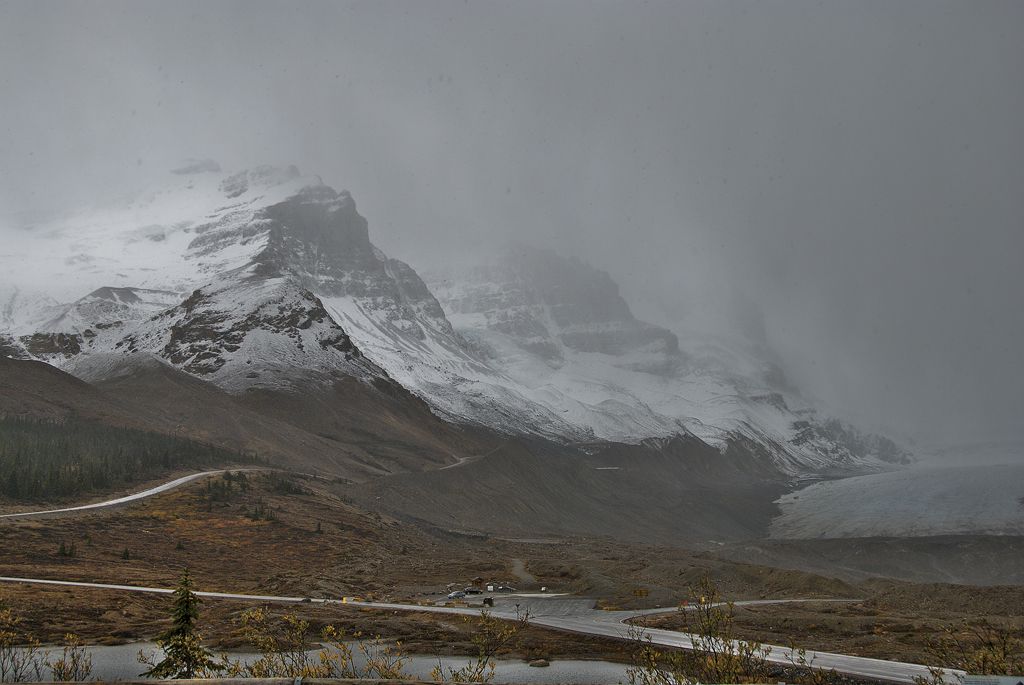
{"x":561,"y":328}
{"x":268,"y":279}
{"x":92,"y":323}
{"x":244,"y":331}
{"x":269,"y":225}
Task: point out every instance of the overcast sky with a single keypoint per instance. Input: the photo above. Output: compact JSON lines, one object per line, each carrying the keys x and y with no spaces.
{"x":853,"y":170}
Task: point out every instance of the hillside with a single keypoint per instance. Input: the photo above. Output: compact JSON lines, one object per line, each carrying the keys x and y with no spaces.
{"x":366,"y":431}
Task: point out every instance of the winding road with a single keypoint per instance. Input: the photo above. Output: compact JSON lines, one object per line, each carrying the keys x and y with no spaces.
{"x":106,"y":504}
{"x":571,"y":614}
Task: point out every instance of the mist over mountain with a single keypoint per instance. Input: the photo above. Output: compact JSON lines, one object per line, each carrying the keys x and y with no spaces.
{"x":838,"y":184}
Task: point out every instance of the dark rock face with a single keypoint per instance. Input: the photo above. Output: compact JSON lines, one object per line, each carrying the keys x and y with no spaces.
{"x":125,"y":295}
{"x":415,"y":294}
{"x":318,"y":238}
{"x":10,"y":347}
{"x":318,"y":235}
{"x":52,"y":344}
{"x":197,"y":341}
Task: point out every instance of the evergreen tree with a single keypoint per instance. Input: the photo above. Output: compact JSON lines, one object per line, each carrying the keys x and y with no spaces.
{"x":182,"y":644}
{"x":186,"y":608}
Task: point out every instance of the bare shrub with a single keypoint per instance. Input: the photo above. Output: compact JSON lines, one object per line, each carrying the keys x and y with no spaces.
{"x":490,"y":637}
{"x":74,"y":663}
{"x":716,"y":656}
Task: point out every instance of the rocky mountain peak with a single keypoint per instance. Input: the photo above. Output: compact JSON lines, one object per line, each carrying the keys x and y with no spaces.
{"x":318,"y":235}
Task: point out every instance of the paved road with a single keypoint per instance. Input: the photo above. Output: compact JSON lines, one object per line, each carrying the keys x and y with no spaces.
{"x":572,"y":615}
{"x":164,"y":487}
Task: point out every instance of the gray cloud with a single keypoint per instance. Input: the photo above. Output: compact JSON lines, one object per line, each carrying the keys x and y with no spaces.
{"x":853,"y":170}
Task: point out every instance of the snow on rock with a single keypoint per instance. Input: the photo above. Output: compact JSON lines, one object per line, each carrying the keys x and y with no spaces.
{"x":241,"y":332}
{"x":94,"y":322}
{"x":562,"y":332}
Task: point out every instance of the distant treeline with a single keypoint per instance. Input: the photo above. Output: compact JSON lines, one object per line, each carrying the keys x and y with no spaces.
{"x":45,"y":459}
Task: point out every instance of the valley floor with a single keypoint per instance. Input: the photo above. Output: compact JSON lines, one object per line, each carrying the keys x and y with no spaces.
{"x":291,"y":535}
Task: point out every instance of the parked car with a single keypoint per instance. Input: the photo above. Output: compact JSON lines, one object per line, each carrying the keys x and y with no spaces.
{"x":458,"y":594}
{"x":472,"y":591}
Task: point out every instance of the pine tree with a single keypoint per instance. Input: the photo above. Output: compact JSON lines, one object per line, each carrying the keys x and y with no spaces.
{"x":186,"y":608}
{"x":182,"y":644}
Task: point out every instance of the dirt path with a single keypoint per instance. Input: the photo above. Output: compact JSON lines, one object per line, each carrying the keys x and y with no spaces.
{"x":520,"y":572}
